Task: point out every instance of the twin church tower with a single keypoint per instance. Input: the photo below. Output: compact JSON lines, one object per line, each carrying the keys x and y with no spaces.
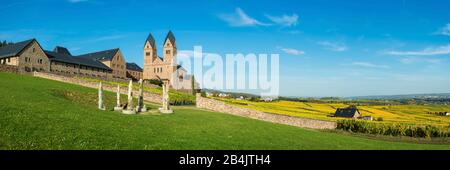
{"x":156,"y":67}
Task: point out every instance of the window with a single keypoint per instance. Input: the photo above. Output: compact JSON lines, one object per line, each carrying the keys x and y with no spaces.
{"x":9,"y":60}
{"x":147,"y":54}
{"x":34,"y":50}
{"x":167,"y":51}
{"x":154,"y":70}
{"x":161,"y":70}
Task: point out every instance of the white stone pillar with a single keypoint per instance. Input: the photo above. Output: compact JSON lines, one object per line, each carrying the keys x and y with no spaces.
{"x":165,"y":98}
{"x":141,"y":107}
{"x":118,"y":105}
{"x":100,"y":97}
{"x":130,"y":108}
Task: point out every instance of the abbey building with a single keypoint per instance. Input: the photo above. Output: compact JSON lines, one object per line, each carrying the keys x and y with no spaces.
{"x":166,"y":67}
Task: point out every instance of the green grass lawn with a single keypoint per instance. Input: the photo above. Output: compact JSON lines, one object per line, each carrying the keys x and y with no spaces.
{"x":37,"y":113}
{"x":175,"y":96}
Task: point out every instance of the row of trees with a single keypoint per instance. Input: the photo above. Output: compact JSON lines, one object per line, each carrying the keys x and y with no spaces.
{"x":4,"y":43}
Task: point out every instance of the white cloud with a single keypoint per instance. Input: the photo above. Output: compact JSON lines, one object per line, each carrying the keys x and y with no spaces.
{"x":425,"y":52}
{"x":444,"y":30}
{"x":411,"y":60}
{"x":76,"y":1}
{"x":241,"y":19}
{"x":284,"y":20}
{"x":368,"y":65}
{"x":104,"y":38}
{"x":292,"y":51}
{"x":333,"y":46}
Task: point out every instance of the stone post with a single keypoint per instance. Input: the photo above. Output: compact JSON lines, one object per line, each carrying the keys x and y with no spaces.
{"x":100,"y":97}
{"x":198,"y":98}
{"x":141,"y":107}
{"x":130,"y":108}
{"x":118,"y":105}
{"x":165,"y":98}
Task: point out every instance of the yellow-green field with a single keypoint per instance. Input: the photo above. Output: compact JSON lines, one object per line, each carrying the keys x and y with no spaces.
{"x":414,"y":114}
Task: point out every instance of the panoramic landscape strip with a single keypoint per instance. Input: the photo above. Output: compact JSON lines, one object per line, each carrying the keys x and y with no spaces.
{"x":234,"y":84}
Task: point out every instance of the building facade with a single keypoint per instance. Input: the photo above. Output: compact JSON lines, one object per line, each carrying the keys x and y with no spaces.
{"x":62,"y":62}
{"x":165,"y":67}
{"x":134,"y":71}
{"x":111,"y":58}
{"x":27,"y":55}
{"x":156,"y":67}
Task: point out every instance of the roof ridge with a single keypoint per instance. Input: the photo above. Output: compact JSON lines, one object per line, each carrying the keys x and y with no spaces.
{"x":15,"y":48}
{"x":151,"y":40}
{"x":114,"y":49}
{"x":101,"y":55}
{"x":171,"y":37}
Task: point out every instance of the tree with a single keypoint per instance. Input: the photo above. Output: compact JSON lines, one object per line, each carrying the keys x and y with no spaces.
{"x":156,"y":82}
{"x":193,"y":85}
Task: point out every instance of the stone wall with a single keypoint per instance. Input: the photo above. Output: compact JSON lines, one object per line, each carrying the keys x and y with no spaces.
{"x":219,"y":106}
{"x":9,"y":68}
{"x":151,"y":97}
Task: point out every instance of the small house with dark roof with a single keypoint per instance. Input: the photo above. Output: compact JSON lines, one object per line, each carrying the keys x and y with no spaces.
{"x":112,"y":58}
{"x":349,"y":112}
{"x":27,"y":56}
{"x":134,"y":71}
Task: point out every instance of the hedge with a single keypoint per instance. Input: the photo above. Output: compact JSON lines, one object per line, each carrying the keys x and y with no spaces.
{"x":422,"y":131}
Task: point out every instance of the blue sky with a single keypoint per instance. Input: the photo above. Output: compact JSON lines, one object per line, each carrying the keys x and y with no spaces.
{"x":327,"y":48}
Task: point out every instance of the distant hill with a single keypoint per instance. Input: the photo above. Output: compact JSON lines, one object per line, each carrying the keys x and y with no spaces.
{"x":405,"y":96}
{"x":425,"y":96}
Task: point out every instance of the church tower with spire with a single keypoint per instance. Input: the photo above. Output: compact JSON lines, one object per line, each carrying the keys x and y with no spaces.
{"x":156,"y":67}
{"x":150,"y":56}
{"x":170,"y":49}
